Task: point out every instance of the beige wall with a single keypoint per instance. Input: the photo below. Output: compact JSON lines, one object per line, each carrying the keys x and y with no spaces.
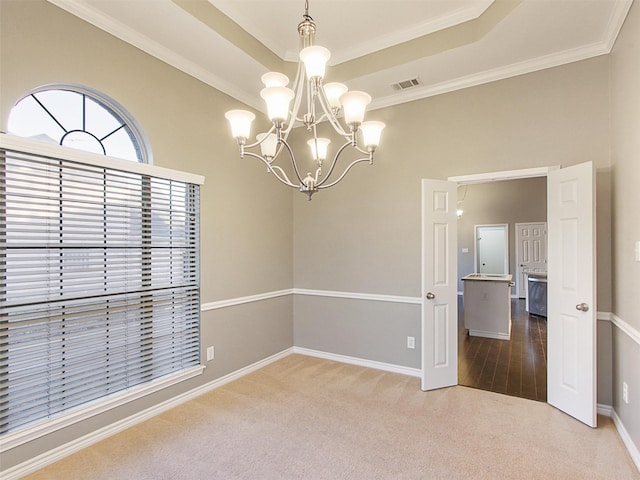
{"x":625,"y":182}
{"x":246,"y":224}
{"x":364,"y":235}
{"x":625,"y":159}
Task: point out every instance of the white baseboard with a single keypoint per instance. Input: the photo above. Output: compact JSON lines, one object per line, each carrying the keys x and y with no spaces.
{"x":626,"y":439}
{"x":605,"y":410}
{"x":494,"y":335}
{"x":74,"y":446}
{"x":387,"y":367}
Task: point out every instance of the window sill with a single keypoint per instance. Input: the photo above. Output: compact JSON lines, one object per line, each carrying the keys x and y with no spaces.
{"x":29,"y":433}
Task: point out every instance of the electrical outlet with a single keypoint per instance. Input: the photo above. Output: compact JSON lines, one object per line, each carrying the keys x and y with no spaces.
{"x":411,"y":342}
{"x":210,"y":353}
{"x":625,"y":392}
{"x":638,"y":251}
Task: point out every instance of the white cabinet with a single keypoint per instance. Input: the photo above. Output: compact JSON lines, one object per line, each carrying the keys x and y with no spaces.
{"x":487,"y":305}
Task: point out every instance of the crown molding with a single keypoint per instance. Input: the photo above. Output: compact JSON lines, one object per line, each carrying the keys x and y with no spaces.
{"x":420,"y":29}
{"x":488,"y":76}
{"x":108,"y":24}
{"x":619,"y":14}
{"x":603,"y":47}
{"x":91,"y":15}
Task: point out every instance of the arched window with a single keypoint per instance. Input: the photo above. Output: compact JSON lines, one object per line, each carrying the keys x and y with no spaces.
{"x":81,"y":118}
{"x":99,"y":270}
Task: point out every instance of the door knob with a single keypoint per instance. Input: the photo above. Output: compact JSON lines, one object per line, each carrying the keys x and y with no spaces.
{"x":430,"y":296}
{"x":583,"y":307}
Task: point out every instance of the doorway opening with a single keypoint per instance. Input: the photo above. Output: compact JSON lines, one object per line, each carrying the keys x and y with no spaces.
{"x":572,"y":341}
{"x":488,"y":243}
{"x":492,"y":249}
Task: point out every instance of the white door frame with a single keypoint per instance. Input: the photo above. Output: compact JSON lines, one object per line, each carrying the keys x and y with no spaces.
{"x":476,"y":253}
{"x":496,"y":176}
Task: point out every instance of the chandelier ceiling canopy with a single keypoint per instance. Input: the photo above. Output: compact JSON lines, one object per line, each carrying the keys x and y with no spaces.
{"x":331,"y":102}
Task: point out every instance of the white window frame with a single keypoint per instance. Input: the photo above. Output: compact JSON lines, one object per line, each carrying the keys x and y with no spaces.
{"x":140,"y":141}
{"x":13,"y":439}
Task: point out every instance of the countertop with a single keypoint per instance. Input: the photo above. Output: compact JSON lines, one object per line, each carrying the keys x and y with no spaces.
{"x":493,"y":277}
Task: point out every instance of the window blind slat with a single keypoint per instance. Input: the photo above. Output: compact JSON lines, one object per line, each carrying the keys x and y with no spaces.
{"x":34,"y":406}
{"x":83,"y":380}
{"x":99,"y":286}
{"x":83,"y":375}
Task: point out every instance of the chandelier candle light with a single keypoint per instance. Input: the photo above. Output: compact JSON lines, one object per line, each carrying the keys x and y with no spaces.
{"x":324,"y":102}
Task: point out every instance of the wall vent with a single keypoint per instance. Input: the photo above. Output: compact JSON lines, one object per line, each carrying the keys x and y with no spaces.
{"x":403,"y":85}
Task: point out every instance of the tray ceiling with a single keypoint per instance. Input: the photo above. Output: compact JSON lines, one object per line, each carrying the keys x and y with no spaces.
{"x":445,"y":44}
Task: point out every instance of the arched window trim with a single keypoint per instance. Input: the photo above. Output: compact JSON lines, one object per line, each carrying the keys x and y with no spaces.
{"x":141,"y":141}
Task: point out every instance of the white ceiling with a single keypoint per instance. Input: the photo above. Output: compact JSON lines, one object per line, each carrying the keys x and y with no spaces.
{"x":447,"y":44}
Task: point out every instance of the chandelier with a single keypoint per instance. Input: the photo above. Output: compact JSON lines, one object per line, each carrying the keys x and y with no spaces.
{"x":324,"y":103}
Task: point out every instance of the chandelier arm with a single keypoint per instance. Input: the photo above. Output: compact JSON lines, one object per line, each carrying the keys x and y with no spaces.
{"x":364,"y":152}
{"x":284,"y":178}
{"x":255,"y":144}
{"x":258,"y":142}
{"x":318,"y":173}
{"x":345,"y":172}
{"x":333,"y":120}
{"x":278,"y":150}
{"x":333,"y":165}
{"x":275,"y":169}
{"x":298,"y":86}
{"x":277,"y":154}
{"x":293,"y":160}
{"x":310,"y":117}
{"x":314,"y":128}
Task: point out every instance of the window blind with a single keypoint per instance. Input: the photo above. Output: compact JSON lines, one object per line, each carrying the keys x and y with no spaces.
{"x":99,"y":283}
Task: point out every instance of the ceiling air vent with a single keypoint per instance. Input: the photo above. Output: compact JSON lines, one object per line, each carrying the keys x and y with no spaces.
{"x":403,"y":85}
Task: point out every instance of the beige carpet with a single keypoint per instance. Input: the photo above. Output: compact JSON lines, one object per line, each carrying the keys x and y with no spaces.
{"x":307,"y":418}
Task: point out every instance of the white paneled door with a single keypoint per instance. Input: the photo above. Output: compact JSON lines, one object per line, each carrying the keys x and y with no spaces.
{"x":531,"y":252}
{"x":571,"y":323}
{"x":439,"y":285}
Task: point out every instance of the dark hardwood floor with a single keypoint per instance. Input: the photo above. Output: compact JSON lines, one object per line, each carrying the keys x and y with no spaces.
{"x":515,"y":367}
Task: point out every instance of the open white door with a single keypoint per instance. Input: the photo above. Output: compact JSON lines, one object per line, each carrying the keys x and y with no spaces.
{"x":571,"y":323}
{"x":439,"y":285}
